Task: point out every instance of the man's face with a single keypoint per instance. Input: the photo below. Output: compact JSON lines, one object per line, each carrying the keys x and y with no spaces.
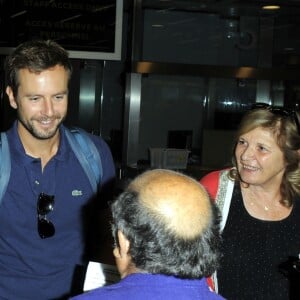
{"x":42,"y":101}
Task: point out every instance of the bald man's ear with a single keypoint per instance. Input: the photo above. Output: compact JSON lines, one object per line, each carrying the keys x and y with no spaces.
{"x":124,"y":243}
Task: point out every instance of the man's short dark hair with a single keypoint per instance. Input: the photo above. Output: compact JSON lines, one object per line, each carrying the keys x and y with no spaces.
{"x":36,"y":56}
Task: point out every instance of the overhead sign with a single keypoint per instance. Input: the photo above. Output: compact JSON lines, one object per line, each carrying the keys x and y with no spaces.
{"x":89,"y":29}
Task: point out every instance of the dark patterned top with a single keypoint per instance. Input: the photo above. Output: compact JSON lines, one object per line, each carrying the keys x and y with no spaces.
{"x":253,"y":251}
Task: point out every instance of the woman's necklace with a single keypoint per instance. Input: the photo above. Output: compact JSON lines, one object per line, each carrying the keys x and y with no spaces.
{"x":259,"y":204}
{"x":265,"y":207}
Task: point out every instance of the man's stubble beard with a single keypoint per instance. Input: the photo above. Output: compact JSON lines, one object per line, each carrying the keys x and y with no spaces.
{"x":39,"y":134}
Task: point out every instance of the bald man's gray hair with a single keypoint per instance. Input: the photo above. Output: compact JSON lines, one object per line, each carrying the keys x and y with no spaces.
{"x":156,"y":249}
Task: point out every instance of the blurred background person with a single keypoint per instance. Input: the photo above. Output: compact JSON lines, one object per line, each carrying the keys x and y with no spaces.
{"x":166,"y":233}
{"x":259,"y":199}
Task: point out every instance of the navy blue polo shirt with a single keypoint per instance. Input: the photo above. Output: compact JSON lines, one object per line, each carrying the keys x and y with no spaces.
{"x":31,"y":267}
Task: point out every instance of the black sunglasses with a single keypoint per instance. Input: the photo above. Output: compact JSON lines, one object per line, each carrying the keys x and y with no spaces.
{"x":280,"y":111}
{"x":45,"y":204}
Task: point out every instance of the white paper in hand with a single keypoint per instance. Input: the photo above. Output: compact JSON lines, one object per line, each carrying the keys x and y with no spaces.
{"x":99,"y":274}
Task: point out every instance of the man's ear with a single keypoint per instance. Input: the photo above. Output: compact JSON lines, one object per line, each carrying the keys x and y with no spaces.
{"x":124,"y":244}
{"x":11,"y":97}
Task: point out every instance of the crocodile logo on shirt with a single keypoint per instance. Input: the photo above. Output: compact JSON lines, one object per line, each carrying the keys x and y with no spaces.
{"x":76,"y":193}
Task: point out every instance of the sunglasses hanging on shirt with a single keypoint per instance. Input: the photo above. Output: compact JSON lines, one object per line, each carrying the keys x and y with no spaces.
{"x":45,"y":205}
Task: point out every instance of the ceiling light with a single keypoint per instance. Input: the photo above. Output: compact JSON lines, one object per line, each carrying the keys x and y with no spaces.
{"x":271,"y":7}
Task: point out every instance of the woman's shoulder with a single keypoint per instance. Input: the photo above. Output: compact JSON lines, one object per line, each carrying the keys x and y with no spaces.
{"x":211,"y":181}
{"x":211,"y":176}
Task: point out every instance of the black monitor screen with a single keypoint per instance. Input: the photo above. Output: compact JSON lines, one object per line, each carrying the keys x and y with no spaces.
{"x":180,"y":139}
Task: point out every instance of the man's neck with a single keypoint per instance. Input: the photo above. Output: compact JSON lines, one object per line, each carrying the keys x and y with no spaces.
{"x":44,"y":149}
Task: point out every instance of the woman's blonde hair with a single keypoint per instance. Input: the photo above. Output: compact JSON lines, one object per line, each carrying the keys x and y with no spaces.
{"x":286,"y":133}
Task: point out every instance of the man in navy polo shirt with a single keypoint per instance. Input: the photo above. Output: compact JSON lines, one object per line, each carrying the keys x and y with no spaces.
{"x":42,"y":213}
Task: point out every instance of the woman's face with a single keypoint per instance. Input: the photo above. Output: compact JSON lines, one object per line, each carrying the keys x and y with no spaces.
{"x":259,"y":159}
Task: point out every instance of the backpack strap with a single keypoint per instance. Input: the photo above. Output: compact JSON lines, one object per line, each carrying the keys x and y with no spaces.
{"x":87,"y":154}
{"x":81,"y":144}
{"x":5,"y":165}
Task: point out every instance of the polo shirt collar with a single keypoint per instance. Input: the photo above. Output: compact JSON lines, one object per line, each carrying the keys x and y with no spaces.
{"x":18,"y":152}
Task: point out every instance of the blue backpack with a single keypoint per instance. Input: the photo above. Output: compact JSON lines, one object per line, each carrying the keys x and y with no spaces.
{"x":81,"y":144}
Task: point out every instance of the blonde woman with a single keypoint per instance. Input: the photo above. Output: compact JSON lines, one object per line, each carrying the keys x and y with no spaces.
{"x":259,"y":199}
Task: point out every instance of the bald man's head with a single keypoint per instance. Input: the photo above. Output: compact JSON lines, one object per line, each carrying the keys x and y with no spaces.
{"x":170,"y":223}
{"x":179,"y":201}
